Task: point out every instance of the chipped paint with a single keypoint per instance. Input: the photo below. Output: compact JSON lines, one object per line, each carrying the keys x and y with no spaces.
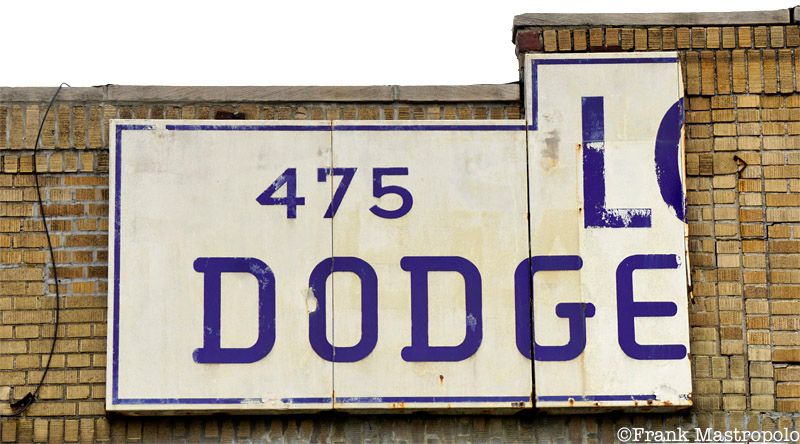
{"x":311,"y":300}
{"x":550,"y":152}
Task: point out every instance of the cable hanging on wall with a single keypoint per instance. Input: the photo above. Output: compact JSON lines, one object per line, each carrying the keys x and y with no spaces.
{"x":19,"y":407}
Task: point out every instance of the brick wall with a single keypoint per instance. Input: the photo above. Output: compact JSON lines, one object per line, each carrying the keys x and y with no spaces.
{"x":743,"y":166}
{"x":742,"y":85}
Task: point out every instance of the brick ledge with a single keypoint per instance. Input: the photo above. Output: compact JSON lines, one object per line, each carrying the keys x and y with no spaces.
{"x":775,"y":17}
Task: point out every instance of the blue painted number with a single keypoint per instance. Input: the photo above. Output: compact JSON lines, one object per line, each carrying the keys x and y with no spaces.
{"x":378,"y":190}
{"x":292,"y":200}
{"x":347,"y":177}
{"x":289,"y":177}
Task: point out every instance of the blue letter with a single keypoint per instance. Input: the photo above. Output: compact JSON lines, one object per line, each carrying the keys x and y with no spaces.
{"x":596,"y":214}
{"x":212,"y":269}
{"x":668,"y":173}
{"x":523,"y":307}
{"x":576,"y":312}
{"x":369,"y":310}
{"x":420,"y":350}
{"x":628,"y":310}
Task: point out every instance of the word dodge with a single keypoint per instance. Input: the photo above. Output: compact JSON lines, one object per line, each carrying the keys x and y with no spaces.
{"x":597,"y":215}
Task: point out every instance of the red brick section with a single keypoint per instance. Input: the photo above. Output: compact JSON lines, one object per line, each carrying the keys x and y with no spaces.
{"x":529,"y":40}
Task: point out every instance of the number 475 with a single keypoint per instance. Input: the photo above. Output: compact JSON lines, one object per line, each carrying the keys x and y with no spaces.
{"x":292,"y":200}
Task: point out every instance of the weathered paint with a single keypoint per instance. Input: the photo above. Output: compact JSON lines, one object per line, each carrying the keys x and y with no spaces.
{"x":314,"y":300}
{"x":607,"y":198}
{"x":468,"y":189}
{"x":391,"y":266}
{"x":187,"y":190}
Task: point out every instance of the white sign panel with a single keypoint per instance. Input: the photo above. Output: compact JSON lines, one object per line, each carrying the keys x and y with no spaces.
{"x":267,"y":266}
{"x":210,"y":300}
{"x":443,"y":241}
{"x":316,"y":265}
{"x":608,"y":267}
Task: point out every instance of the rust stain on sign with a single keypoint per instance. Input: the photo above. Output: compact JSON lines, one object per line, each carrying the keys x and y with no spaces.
{"x":550,"y":152}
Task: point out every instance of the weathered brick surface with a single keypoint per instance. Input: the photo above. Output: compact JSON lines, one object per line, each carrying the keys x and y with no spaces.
{"x":743,"y":192}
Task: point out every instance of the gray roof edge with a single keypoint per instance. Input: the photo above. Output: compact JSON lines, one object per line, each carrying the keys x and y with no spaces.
{"x":774,"y":17}
{"x":241,"y":94}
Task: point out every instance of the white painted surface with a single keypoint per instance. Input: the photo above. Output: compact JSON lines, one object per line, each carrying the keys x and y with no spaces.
{"x":188,"y":190}
{"x":468,"y":189}
{"x":635,"y":97}
{"x":190,"y":194}
{"x":187,"y":194}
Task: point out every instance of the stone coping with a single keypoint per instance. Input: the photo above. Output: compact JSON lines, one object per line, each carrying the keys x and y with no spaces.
{"x":383,"y":93}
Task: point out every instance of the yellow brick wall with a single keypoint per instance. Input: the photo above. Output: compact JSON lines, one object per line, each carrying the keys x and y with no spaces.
{"x":743,"y":166}
{"x":74,"y":161}
{"x":742,"y":85}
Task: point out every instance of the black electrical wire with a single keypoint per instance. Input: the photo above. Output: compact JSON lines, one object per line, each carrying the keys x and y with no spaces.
{"x":19,"y":407}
